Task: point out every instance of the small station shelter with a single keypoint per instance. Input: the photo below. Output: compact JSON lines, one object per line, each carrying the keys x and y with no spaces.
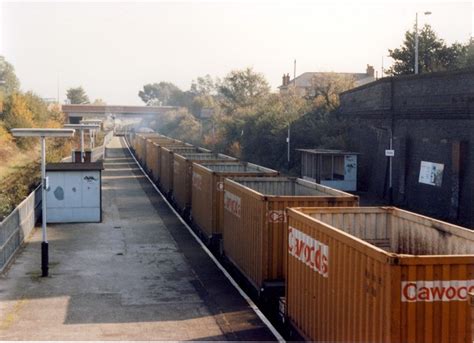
{"x":333,"y":168}
{"x":74,"y":193}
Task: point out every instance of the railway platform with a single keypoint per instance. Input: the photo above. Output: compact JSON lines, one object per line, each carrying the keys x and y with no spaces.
{"x":138,"y":275}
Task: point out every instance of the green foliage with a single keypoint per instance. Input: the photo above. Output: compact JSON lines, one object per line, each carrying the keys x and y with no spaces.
{"x":325,"y":90}
{"x":99,"y":102}
{"x":251,"y":123}
{"x":157,"y":94}
{"x":77,"y":95}
{"x":9,"y":83}
{"x":242,"y":90}
{"x":17,"y":186}
{"x":433,"y":54}
{"x":180,"y":124}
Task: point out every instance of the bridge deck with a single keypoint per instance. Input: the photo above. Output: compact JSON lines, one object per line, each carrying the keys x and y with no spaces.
{"x":138,"y":275}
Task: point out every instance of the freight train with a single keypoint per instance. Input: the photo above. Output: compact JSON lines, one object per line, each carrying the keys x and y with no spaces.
{"x":349,"y":273}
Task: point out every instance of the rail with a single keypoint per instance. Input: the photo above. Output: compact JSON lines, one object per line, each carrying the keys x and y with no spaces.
{"x":19,"y":224}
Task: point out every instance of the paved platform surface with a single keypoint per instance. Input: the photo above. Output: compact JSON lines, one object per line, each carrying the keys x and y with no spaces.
{"x":138,"y":275}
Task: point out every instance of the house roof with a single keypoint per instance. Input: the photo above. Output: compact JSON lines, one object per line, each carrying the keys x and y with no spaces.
{"x":304,"y":80}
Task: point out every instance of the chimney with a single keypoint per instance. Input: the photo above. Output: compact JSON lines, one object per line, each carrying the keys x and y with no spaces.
{"x":370,"y":70}
{"x":285,"y":82}
{"x":287,"y":79}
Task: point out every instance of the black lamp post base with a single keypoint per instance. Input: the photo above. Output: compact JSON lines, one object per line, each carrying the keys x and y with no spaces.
{"x":44,"y":259}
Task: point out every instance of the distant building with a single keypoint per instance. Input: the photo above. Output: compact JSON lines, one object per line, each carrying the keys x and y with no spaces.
{"x":303,"y":83}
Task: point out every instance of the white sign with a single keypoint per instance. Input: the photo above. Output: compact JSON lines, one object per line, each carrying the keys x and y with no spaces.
{"x":390,"y":153}
{"x":309,"y":251}
{"x":437,"y":290}
{"x":431,"y":173}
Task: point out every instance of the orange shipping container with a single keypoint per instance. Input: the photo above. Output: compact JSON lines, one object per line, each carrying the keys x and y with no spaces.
{"x":183,"y":174}
{"x":208,"y":191}
{"x":152,"y":153}
{"x":255,"y":221}
{"x":378,"y":275}
{"x":167,"y":164}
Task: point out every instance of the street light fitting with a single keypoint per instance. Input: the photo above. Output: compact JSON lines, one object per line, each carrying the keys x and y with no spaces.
{"x":34,"y":132}
{"x":43,"y":133}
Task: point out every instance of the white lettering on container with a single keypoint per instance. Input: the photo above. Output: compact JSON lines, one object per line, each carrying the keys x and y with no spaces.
{"x":309,"y":251}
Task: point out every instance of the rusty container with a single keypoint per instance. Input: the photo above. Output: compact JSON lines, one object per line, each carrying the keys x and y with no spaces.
{"x":183,"y":174}
{"x":167,"y":164}
{"x":255,"y":221}
{"x":378,"y":275}
{"x":208,"y":191}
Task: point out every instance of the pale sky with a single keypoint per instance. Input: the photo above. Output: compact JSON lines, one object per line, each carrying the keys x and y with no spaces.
{"x":113,"y":48}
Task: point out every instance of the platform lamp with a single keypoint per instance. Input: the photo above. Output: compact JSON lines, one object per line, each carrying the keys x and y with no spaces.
{"x":43,"y":133}
{"x":81,"y":127}
{"x":92,"y":132}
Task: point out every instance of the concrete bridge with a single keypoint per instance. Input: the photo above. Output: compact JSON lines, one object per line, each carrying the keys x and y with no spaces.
{"x":75,"y":113}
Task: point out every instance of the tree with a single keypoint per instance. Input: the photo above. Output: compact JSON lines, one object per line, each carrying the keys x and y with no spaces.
{"x":99,"y":102}
{"x":204,"y":85}
{"x":8,"y":81}
{"x":17,"y":114}
{"x":77,"y":96}
{"x":242,"y":89}
{"x":433,"y":54}
{"x":325,"y":90}
{"x":466,"y":59}
{"x":157,"y":94}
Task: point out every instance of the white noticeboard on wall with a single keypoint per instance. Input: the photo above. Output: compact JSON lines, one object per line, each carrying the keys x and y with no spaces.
{"x":431,"y":173}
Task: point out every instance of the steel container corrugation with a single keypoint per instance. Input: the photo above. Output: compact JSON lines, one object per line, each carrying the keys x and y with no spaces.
{"x":255,"y":220}
{"x":183,"y":173}
{"x":388,"y":276}
{"x":153,"y":150}
{"x":167,"y":164}
{"x":208,"y":191}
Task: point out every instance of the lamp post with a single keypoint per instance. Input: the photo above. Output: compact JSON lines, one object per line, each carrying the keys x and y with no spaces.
{"x":82,"y":127}
{"x":43,"y":133}
{"x":416,"y":40}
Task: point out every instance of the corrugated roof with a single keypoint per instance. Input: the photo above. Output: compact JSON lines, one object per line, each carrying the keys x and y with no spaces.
{"x":328,"y":152}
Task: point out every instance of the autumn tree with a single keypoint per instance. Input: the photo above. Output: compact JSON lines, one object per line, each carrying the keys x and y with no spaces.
{"x":325,"y":89}
{"x":16,"y":113}
{"x":77,"y":95}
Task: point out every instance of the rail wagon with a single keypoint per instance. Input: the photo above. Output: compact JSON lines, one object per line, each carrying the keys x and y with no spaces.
{"x":167,"y":164}
{"x":183,"y":174}
{"x":255,"y":220}
{"x":378,"y":275}
{"x":208,"y":192}
{"x":153,"y":153}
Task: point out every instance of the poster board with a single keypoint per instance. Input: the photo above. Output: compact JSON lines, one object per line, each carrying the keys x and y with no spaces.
{"x":431,"y":173}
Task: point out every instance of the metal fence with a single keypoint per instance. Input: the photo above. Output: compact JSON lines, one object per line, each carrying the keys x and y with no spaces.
{"x":18,"y":225}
